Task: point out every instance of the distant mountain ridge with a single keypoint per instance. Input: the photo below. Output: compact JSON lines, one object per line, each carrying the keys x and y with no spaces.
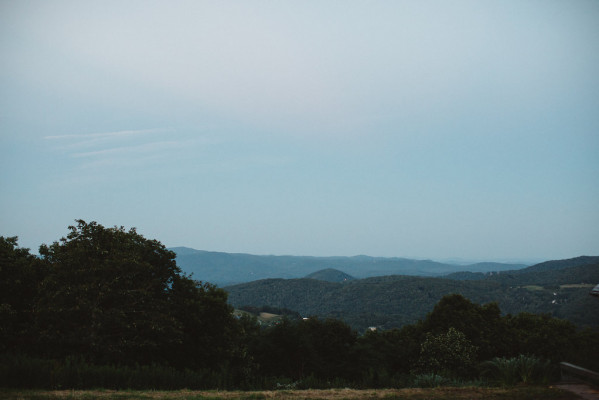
{"x":231,"y":268}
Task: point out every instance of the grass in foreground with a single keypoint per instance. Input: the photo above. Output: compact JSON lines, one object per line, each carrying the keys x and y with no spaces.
{"x":442,"y":393}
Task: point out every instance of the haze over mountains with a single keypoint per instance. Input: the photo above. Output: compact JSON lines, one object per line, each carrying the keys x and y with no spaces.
{"x":231,"y":268}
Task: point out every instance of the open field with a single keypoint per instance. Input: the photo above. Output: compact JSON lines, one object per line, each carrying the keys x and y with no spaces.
{"x":533,"y":287}
{"x":264,"y":316}
{"x":577,"y":285}
{"x":442,"y":393}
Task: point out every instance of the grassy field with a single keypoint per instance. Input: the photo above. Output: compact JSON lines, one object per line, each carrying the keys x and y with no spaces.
{"x":577,"y":285}
{"x":263,"y":317}
{"x":442,"y":393}
{"x":533,"y":287}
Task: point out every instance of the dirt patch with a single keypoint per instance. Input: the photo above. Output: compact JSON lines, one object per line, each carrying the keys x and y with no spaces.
{"x":584,"y":391}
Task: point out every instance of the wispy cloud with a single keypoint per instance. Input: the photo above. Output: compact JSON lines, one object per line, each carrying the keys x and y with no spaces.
{"x":103,"y":151}
{"x":100,"y":135}
{"x":102,"y":140}
{"x":129,"y":150}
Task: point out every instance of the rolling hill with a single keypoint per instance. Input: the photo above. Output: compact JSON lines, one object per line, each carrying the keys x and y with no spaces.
{"x":330,"y":275}
{"x":393,"y":301}
{"x":560,"y":264}
{"x":537,"y":273}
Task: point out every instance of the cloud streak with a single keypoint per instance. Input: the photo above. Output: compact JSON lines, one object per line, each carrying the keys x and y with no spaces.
{"x":101,"y":140}
{"x":101,"y":135}
{"x":104,"y":151}
{"x":132,"y":150}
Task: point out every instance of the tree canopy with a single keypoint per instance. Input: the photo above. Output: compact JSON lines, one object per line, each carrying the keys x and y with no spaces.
{"x":112,"y":296}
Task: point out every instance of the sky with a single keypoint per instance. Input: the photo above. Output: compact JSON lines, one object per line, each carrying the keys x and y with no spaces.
{"x":422,"y":129}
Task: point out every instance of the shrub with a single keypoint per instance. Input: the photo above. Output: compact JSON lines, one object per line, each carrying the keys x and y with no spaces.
{"x":449,"y":354}
{"x":429,"y":381}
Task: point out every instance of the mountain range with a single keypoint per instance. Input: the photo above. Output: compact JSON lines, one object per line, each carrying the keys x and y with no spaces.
{"x":557,"y":288}
{"x":225,"y":269}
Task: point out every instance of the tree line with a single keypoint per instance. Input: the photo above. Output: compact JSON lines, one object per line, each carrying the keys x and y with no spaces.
{"x":113,"y":303}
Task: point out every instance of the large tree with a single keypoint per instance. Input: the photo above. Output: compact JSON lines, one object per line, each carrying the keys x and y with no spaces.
{"x":113,"y":296}
{"x":482,"y":324}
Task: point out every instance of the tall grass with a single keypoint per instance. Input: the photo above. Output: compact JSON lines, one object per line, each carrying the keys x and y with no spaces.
{"x":521,"y":369}
{"x":430,"y":381}
{"x":18,"y":371}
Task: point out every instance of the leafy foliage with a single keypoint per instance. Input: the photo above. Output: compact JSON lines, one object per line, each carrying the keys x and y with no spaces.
{"x":447,"y":354}
{"x":541,"y":335}
{"x":481,"y":324}
{"x":107,"y":296}
{"x":113,"y":297}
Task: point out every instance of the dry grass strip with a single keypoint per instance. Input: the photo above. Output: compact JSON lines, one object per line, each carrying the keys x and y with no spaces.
{"x":443,"y":393}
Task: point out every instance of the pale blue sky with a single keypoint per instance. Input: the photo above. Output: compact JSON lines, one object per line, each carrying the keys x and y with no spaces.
{"x":428,"y":129}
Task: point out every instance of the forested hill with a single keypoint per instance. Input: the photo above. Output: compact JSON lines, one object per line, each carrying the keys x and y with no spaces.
{"x":230,"y":268}
{"x":560,"y":264}
{"x":537,"y":273}
{"x":330,"y":275}
{"x":394,"y":301}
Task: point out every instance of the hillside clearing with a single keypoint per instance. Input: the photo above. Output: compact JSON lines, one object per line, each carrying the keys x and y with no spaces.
{"x":532,"y":287}
{"x":577,"y":285}
{"x":268,"y":316}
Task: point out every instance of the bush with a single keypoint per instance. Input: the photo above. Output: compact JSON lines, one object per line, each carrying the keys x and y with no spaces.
{"x":450,"y":354}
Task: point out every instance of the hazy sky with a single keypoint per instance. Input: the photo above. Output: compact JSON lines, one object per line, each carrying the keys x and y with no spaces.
{"x":428,"y":129}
